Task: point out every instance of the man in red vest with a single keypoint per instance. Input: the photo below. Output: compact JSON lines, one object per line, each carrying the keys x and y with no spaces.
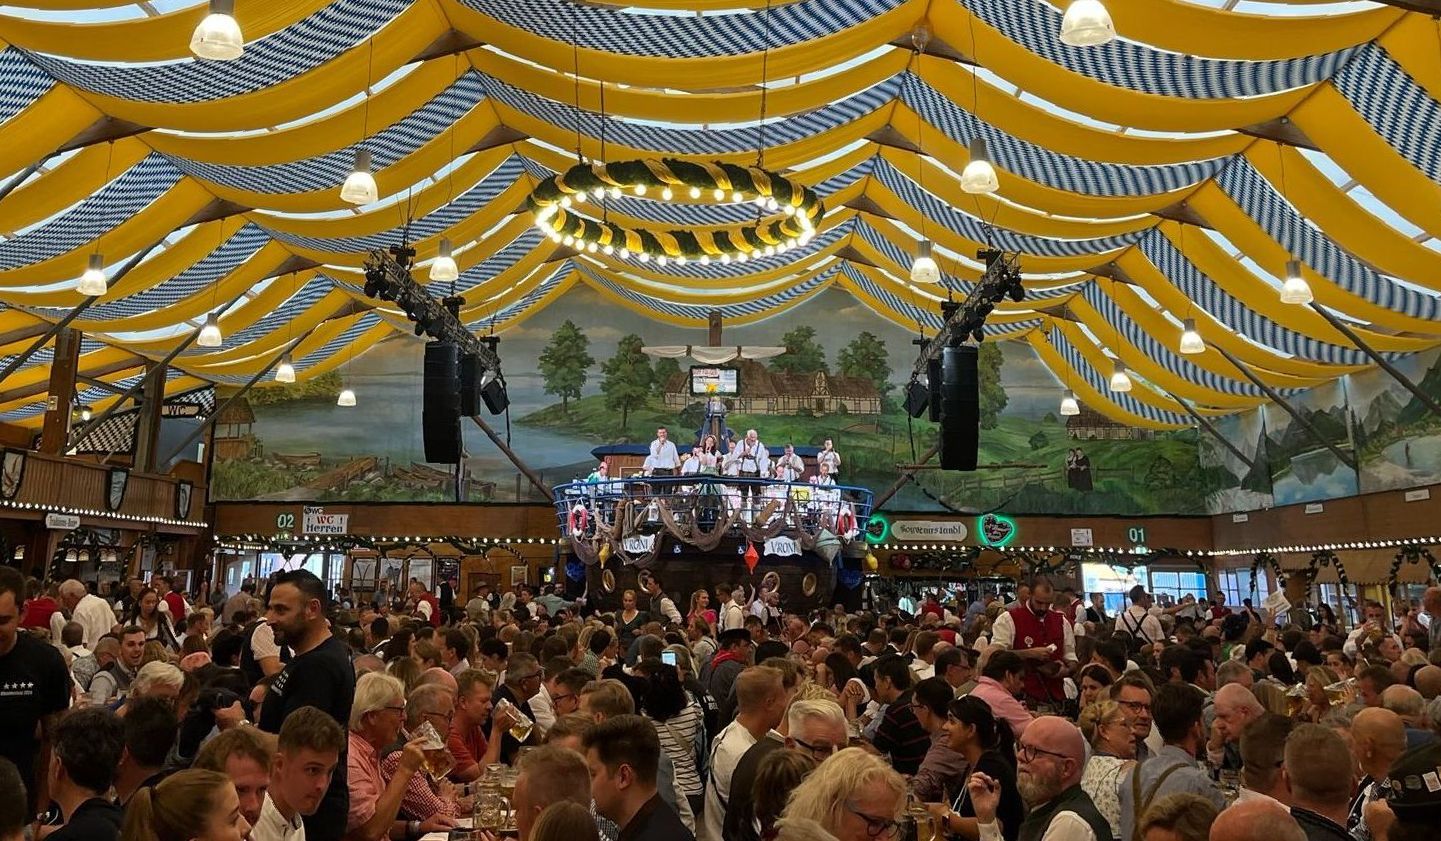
{"x":1044,"y":639}
{"x":427,"y":606}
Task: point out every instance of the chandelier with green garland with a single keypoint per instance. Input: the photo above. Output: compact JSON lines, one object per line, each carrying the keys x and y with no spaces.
{"x":787,"y":212}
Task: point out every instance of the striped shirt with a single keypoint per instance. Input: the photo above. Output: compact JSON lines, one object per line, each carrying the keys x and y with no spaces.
{"x":678,"y":740}
{"x":902,"y":737}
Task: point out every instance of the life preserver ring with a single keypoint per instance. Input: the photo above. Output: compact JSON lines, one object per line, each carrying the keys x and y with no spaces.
{"x":845,"y":521}
{"x":578,"y":520}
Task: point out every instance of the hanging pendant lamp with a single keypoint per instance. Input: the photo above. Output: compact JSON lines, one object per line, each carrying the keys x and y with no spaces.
{"x":1087,"y":24}
{"x":979,"y":176}
{"x":1295,"y":289}
{"x":218,"y":36}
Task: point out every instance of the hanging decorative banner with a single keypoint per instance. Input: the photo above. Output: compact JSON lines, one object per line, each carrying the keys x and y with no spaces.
{"x":780,"y":547}
{"x":638,"y":544}
{"x":183,"y":492}
{"x":62,"y":522}
{"x":12,"y":473}
{"x":316,"y":521}
{"x":119,"y":480}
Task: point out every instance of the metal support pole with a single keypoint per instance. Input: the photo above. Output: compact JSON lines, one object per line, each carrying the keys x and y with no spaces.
{"x":1290,"y":410}
{"x":73,"y":314}
{"x":1380,"y":360}
{"x":20,"y":178}
{"x":200,"y":430}
{"x":1206,"y":424}
{"x":514,"y":459}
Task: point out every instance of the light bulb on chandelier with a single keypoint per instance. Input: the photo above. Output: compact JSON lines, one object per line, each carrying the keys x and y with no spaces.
{"x":1087,"y":24}
{"x":360,"y":187}
{"x":92,"y":282}
{"x":218,"y":37}
{"x":444,"y":268}
{"x":1295,"y":289}
{"x":924,"y":269}
{"x":979,"y":176}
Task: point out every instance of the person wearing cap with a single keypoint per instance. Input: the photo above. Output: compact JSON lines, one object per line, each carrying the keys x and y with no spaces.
{"x":1411,"y":807}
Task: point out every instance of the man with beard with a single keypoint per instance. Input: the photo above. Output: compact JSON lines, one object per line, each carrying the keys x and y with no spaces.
{"x":320,"y":675}
{"x":1043,"y":638}
{"x":1049,"y":760}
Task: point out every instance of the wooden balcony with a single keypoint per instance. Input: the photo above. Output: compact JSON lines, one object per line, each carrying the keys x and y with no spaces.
{"x":55,"y":483}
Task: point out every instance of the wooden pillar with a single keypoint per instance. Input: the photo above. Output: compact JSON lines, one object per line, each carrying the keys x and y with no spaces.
{"x":147,"y":427}
{"x":714,"y":319}
{"x":62,"y":392}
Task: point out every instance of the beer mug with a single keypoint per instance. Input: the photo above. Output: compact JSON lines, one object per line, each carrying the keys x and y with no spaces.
{"x":521,"y":725}
{"x":438,"y":762}
{"x":490,"y":811}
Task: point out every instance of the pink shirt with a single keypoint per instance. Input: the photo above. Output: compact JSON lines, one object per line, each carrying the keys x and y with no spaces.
{"x":1002,"y":703}
{"x":365,"y":781}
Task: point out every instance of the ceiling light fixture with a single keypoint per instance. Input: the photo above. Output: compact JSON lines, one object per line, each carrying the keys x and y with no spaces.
{"x":1120,"y":378}
{"x":924,"y":269}
{"x":1070,"y":407}
{"x":1295,"y":289}
{"x":93,"y":283}
{"x":1087,"y":24}
{"x":1191,"y":341}
{"x":979,"y":176}
{"x":285,"y":372}
{"x":444,"y":267}
{"x":218,"y":37}
{"x":210,"y":335}
{"x":360,"y":187}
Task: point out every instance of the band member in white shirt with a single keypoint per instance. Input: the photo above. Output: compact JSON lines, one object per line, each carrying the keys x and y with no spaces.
{"x":789,"y":466}
{"x":663,"y":459}
{"x":828,"y":456}
{"x":750,"y":457}
{"x":691,"y":466}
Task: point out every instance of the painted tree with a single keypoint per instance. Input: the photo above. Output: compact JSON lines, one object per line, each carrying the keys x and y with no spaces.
{"x":665,"y":369}
{"x":628,"y":378}
{"x":564,"y":363}
{"x":804,"y":355}
{"x":993,"y":394}
{"x":866,"y":357}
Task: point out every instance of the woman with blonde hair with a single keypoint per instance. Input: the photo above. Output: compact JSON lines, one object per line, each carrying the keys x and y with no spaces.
{"x":853,"y":796}
{"x":700,"y":607}
{"x":1318,"y":703}
{"x":186,"y":806}
{"x":1271,"y":696}
{"x":1113,"y":753}
{"x":564,"y":821}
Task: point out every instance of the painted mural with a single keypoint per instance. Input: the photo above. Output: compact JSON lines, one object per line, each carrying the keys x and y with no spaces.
{"x":1384,"y":438}
{"x":577,"y":379}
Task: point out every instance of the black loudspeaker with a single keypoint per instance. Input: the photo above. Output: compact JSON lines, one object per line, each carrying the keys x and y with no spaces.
{"x":917,"y":398}
{"x":933,"y":385}
{"x":960,"y":399}
{"x":494,"y":396}
{"x":470,"y":376}
{"x":440,"y":411}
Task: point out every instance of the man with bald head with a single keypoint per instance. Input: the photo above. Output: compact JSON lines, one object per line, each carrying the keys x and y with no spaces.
{"x":1236,"y":706}
{"x":1378,"y":738}
{"x":1256,"y":820}
{"x":1173,"y":770}
{"x":1428,"y":682}
{"x":1050,"y":757}
{"x":1411,"y":707}
{"x":438,"y":677}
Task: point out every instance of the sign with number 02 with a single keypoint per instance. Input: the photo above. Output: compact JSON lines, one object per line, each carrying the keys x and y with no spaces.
{"x":285,"y":522}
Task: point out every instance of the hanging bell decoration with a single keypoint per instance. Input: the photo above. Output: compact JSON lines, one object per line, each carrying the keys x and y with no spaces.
{"x":752,"y":557}
{"x":872,"y":562}
{"x":604,"y":554}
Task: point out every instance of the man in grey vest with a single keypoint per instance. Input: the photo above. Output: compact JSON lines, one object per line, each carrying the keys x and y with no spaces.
{"x":1050,"y":757}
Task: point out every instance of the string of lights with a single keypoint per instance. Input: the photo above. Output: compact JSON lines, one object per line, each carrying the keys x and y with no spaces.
{"x":45,"y":508}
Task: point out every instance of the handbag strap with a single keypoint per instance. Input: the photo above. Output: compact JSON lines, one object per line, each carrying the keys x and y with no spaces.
{"x":1139,"y":805}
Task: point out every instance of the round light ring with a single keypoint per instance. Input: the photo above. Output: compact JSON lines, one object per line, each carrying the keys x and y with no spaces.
{"x":798,"y":208}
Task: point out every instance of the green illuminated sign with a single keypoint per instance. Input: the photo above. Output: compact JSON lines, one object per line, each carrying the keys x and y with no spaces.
{"x":878,"y":529}
{"x":996,"y":530}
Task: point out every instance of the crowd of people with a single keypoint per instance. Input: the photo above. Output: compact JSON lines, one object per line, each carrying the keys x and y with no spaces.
{"x":282,"y":711}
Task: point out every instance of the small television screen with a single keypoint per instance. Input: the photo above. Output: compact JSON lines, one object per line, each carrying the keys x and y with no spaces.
{"x":714,"y":380}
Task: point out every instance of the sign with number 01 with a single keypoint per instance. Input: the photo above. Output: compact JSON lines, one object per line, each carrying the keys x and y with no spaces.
{"x":285,"y":521}
{"x":1136,"y":534}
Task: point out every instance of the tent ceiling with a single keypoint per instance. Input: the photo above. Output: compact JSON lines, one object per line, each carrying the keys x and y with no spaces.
{"x":1165,"y":176}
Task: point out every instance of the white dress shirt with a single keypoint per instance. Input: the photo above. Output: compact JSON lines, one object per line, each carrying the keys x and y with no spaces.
{"x":272,"y":826}
{"x":730,"y":745}
{"x":749,"y":457}
{"x":95,"y":616}
{"x":791,"y":467}
{"x":1003,"y":633}
{"x":1352,"y":646}
{"x":1065,"y":826}
{"x":732,"y":616}
{"x":662,"y":456}
{"x":1136,"y":617}
{"x":543,"y":709}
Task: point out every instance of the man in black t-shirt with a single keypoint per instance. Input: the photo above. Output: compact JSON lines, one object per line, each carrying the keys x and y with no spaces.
{"x":318,"y":675}
{"x":34,"y":689}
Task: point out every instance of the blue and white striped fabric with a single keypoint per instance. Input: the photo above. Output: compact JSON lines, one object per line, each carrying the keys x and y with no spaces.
{"x":506,"y":173}
{"x":682,"y":215}
{"x":699,"y":313}
{"x":1101,"y":382}
{"x":909,"y":310}
{"x":975,"y":230}
{"x":1236,"y":315}
{"x":267,"y":62}
{"x":901,"y":260}
{"x":1034,"y":23}
{"x":88,"y":396}
{"x":211,"y":268}
{"x":279,"y":320}
{"x":616,"y":30}
{"x":1157,"y":350}
{"x":387,"y":146}
{"x":1279,"y":219}
{"x":514,"y":311}
{"x":46,"y":355}
{"x":116,"y":202}
{"x":697,"y":140}
{"x":1043,"y":166}
{"x":335,"y":346}
{"x":21,"y":82}
{"x":1400,"y":110}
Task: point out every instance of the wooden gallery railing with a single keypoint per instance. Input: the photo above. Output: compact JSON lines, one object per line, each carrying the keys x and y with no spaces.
{"x":52,"y":481}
